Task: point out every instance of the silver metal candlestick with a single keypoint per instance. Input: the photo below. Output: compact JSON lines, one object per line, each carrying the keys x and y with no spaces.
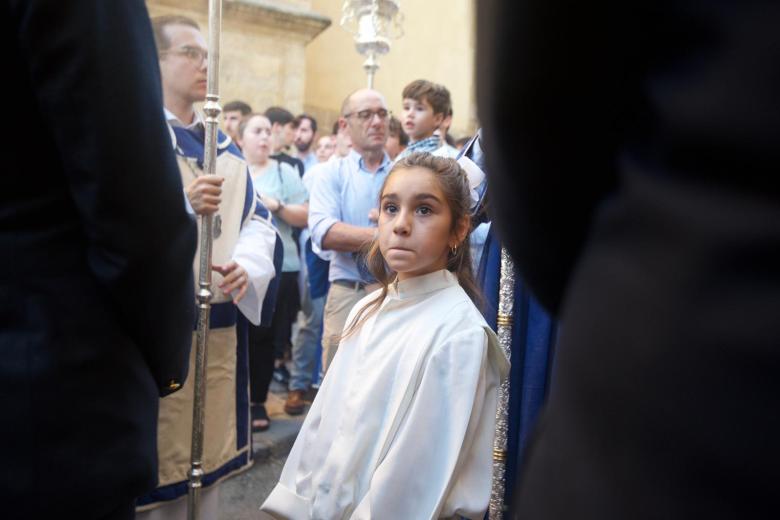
{"x":505,"y":322}
{"x":212,"y":111}
{"x":373,"y":24}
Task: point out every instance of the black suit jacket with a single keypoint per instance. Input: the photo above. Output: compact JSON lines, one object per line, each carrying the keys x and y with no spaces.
{"x":96,"y":248}
{"x":634,"y":154}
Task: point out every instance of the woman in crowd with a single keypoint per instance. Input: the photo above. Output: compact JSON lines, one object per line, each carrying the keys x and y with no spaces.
{"x":283,"y":193}
{"x":326,"y":146}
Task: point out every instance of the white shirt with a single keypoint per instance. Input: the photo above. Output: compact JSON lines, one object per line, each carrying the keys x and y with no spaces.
{"x":403,"y":424}
{"x":343,"y":190}
{"x":254,"y":252}
{"x":447,"y":151}
{"x":197,"y":119}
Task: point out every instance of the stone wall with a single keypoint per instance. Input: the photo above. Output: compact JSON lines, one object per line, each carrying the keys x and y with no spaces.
{"x":263,"y":58}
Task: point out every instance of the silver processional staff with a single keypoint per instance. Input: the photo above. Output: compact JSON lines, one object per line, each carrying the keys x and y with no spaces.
{"x":204,"y":294}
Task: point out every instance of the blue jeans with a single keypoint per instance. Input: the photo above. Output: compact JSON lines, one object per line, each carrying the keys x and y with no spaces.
{"x":304,"y":349}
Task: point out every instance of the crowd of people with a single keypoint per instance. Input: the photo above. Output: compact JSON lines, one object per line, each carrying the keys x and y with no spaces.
{"x":319,"y":193}
{"x":314,"y":171}
{"x":627,"y":163}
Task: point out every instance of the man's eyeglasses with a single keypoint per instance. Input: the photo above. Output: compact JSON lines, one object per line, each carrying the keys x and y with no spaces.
{"x":368,"y":115}
{"x":194,"y":54}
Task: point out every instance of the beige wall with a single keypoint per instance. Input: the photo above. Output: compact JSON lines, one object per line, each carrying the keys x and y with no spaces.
{"x":438,"y":45}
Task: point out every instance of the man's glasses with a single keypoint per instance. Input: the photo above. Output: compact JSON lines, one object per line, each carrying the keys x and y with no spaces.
{"x":194,"y":54}
{"x":368,"y":115}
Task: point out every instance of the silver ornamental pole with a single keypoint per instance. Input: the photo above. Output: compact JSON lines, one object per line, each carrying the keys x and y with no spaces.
{"x":504,"y":322}
{"x":212,"y":111}
{"x":373,"y":23}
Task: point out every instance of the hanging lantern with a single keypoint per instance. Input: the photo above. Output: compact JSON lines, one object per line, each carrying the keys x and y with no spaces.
{"x":373,"y":24}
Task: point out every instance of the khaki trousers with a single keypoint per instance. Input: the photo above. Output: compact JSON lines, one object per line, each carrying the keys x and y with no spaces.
{"x":340,"y":301}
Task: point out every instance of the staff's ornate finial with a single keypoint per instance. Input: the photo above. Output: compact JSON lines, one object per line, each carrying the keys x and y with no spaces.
{"x":373,"y":23}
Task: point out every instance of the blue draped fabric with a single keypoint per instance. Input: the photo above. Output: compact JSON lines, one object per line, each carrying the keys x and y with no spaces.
{"x":534,"y":334}
{"x":533,"y":340}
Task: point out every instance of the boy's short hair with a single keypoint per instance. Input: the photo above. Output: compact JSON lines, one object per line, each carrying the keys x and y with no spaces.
{"x":159,"y":23}
{"x":279,"y":115}
{"x":237,"y":106}
{"x":436,"y":95}
{"x":396,"y":130}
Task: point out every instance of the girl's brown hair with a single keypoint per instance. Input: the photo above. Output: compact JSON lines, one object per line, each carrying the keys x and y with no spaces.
{"x":455,"y":186}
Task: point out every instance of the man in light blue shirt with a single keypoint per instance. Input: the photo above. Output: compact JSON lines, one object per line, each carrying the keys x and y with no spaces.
{"x":344,"y":193}
{"x":313,"y":285}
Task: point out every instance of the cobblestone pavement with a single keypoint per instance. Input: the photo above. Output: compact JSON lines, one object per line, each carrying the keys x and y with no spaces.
{"x":241,"y":496}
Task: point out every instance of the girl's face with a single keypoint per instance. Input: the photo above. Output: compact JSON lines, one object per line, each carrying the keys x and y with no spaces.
{"x":415,"y":223}
{"x":256,"y":140}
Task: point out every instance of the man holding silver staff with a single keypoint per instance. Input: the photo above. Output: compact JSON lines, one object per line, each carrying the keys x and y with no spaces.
{"x":245,"y":258}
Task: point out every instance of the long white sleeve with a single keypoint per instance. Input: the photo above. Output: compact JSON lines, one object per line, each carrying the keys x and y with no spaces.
{"x":254,"y":252}
{"x":438,"y":463}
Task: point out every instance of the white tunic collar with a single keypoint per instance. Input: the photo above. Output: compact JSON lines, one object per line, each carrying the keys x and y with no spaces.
{"x":198,"y":122}
{"x":420,"y":285}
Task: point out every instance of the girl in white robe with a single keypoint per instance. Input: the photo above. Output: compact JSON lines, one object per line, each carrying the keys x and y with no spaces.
{"x":402,"y":427}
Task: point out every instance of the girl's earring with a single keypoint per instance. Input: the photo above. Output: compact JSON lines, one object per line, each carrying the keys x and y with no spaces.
{"x":454,"y":250}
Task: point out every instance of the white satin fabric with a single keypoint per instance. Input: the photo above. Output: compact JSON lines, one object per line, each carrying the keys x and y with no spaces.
{"x":403,"y":423}
{"x":254,"y":251}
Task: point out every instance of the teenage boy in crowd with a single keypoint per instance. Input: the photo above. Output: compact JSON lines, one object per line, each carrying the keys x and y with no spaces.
{"x":425,"y":107}
{"x":282,"y":136}
{"x":232,"y":114}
